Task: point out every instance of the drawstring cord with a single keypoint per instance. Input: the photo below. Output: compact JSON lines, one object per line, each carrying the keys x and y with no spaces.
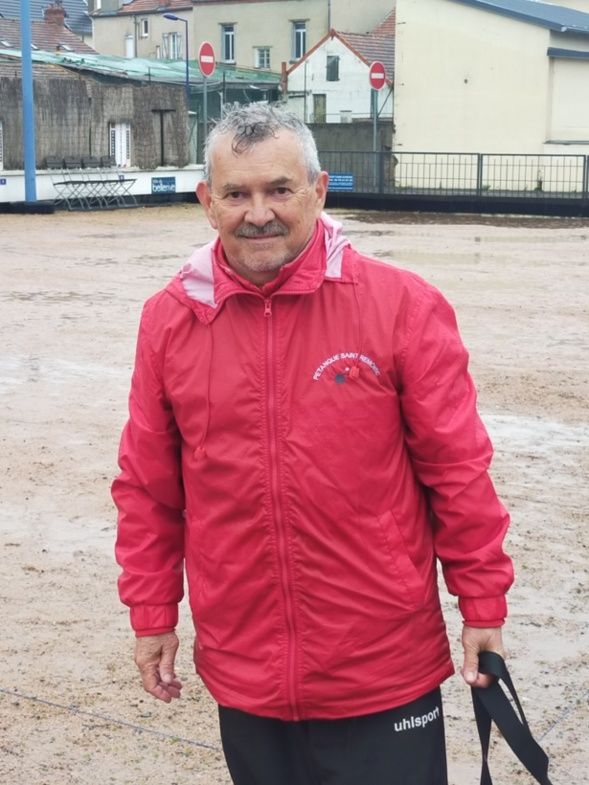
{"x":354,"y":371}
{"x":200,"y":453}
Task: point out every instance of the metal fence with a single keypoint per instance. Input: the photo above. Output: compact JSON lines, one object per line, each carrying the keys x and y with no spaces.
{"x":459,"y":174}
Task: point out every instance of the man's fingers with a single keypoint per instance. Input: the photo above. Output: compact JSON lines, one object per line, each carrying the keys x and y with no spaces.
{"x":149,"y":675}
{"x":475,"y":640}
{"x":154,"y":657}
{"x":171,"y":684}
{"x":160,"y":689}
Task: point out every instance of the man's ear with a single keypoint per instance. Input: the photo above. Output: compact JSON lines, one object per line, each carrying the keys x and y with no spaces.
{"x":203,"y":193}
{"x":321,"y":190}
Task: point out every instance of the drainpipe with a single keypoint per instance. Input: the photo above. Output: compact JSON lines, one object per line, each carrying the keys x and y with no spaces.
{"x":305,"y":93}
{"x":284,"y":81}
{"x":135,"y":35}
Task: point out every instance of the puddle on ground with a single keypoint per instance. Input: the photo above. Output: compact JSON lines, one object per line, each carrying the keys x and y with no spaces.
{"x":56,"y":535}
{"x":24,"y":369}
{"x":459,"y":219}
{"x":56,"y":297}
{"x":535,"y":435}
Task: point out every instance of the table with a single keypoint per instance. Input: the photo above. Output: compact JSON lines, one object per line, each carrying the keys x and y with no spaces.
{"x":86,"y":189}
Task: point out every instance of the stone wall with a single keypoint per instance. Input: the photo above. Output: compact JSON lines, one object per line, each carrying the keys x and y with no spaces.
{"x":72,"y":118}
{"x":352,"y":137}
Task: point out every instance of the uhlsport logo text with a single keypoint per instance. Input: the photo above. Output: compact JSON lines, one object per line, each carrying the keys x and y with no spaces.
{"x":418,"y":721}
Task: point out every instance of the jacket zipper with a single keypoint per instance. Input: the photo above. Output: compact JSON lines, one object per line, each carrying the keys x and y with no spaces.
{"x":285,"y":566}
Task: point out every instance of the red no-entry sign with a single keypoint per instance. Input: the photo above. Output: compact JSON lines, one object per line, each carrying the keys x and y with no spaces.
{"x":206,"y":59}
{"x":377,"y":76}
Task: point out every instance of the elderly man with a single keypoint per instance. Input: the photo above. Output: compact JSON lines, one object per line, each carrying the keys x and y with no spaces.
{"x":303,"y":444}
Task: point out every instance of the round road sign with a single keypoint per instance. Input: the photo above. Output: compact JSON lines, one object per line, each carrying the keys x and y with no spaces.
{"x":206,"y":59}
{"x":377,"y":76}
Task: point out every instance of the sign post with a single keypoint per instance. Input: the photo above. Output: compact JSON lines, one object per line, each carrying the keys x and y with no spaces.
{"x":206,"y":63}
{"x":377,"y":76}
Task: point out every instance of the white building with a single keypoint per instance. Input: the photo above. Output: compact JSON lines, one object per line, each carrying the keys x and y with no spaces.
{"x":331,"y":82}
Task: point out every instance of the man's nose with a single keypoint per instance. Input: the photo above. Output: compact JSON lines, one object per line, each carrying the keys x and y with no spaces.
{"x":259,"y":212}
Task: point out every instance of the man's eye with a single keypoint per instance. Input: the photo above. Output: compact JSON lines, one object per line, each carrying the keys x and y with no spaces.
{"x":234,"y":194}
{"x":281,"y":191}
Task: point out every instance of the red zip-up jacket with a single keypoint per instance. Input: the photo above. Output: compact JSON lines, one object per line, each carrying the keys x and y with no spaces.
{"x":305,"y":453}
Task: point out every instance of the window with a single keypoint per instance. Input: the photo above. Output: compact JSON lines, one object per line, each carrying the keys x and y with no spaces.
{"x":332,"y":72}
{"x":158,"y":52}
{"x":175,"y":46}
{"x":172,"y":46}
{"x":119,"y":135}
{"x":262,"y":57}
{"x":144,"y":28}
{"x":228,"y":43}
{"x":299,"y":39}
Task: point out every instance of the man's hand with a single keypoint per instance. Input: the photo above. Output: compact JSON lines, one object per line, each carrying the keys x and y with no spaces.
{"x":154,"y":656}
{"x":475,"y":640}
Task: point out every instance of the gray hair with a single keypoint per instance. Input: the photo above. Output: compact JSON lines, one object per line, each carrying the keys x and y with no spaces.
{"x":255,"y":122}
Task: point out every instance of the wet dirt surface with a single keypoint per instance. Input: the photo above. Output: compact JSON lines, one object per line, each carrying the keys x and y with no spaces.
{"x":72,"y":285}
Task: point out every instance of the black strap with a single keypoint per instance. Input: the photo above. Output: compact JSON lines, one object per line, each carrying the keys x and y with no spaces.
{"x":491,"y":704}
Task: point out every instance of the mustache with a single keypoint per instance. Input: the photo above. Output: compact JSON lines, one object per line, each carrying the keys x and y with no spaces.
{"x":270,"y":229}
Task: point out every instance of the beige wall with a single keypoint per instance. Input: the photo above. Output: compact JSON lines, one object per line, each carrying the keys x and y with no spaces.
{"x":578,"y":5}
{"x":469,"y":80}
{"x":257,"y":24}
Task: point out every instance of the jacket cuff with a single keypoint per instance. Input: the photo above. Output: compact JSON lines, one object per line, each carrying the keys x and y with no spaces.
{"x":153,"y":619}
{"x":483,"y":611}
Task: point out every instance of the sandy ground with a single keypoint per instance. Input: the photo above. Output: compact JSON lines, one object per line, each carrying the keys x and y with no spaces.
{"x":71,"y":287}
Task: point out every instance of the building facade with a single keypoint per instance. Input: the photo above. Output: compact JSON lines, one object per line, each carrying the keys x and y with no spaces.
{"x":257,"y":34}
{"x":491,"y":77}
{"x":331,"y":83}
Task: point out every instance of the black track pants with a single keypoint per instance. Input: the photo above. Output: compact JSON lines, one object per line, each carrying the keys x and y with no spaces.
{"x":401,"y":746}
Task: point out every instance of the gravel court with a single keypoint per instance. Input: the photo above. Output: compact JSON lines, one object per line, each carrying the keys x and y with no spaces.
{"x":71,"y":291}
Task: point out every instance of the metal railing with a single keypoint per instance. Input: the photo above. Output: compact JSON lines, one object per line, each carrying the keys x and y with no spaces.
{"x":465,"y":174}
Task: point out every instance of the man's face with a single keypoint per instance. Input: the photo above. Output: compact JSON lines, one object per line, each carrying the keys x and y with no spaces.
{"x":262,"y":204}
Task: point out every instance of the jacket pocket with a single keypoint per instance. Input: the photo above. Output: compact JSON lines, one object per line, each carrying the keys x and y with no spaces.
{"x":410,"y":586}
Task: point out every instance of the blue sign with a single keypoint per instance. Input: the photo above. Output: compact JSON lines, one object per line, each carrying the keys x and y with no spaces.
{"x":2,"y":180}
{"x":341,"y":182}
{"x":163,"y":185}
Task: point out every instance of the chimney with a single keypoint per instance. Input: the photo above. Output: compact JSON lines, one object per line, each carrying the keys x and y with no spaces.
{"x":55,"y":14}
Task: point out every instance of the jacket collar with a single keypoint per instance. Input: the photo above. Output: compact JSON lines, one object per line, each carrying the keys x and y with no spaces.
{"x":206,"y":281}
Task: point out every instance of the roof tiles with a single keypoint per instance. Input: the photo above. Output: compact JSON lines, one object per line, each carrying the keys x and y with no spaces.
{"x":373,"y":48}
{"x":77,"y":18}
{"x":149,"y":6}
{"x":46,"y":36}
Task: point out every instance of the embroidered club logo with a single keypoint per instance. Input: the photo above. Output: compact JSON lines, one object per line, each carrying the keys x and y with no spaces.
{"x":346,"y":359}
